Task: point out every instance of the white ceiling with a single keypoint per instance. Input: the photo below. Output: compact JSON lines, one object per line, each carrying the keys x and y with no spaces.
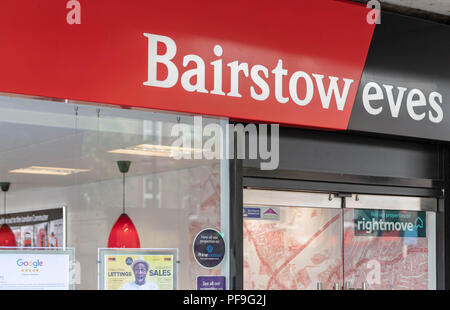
{"x":42,"y":133}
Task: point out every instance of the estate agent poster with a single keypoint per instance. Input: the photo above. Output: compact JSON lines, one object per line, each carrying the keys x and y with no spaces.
{"x":35,"y":270}
{"x":39,"y":228}
{"x":139,"y":269}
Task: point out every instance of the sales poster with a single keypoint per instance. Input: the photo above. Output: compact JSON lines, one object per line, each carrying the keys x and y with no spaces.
{"x":39,"y":228}
{"x":30,"y":270}
{"x":138,"y":270}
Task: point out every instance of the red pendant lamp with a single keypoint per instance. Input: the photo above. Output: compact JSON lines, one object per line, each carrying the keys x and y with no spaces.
{"x":123,"y":233}
{"x":7,"y":237}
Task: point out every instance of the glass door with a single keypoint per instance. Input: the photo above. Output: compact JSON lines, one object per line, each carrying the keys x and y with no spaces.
{"x":299,"y":240}
{"x":292,"y":240}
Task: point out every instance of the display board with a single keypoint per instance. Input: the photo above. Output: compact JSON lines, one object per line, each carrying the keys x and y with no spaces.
{"x":38,"y":228}
{"x":138,"y":269}
{"x":37,"y":269}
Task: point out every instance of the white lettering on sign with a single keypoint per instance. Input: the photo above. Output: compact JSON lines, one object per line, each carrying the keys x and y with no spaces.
{"x":74,"y":15}
{"x":259,"y":74}
{"x":381,"y":225}
{"x":416,"y":102}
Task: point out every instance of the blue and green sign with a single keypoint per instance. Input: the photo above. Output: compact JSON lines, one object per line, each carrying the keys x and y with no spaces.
{"x":391,"y":223}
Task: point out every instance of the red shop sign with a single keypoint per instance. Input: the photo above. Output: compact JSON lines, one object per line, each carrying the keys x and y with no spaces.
{"x":289,"y":62}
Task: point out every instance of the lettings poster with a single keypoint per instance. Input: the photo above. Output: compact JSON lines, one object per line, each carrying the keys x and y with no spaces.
{"x":36,"y":269}
{"x":138,"y":269}
{"x":38,"y":228}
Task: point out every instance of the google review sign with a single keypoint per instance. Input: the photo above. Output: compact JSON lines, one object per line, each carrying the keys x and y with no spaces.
{"x":387,"y":223}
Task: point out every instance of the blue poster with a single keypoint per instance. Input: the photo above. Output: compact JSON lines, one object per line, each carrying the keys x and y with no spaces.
{"x":211,"y":283}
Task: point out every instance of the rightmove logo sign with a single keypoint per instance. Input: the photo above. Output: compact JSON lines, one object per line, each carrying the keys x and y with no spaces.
{"x":394,"y":223}
{"x":215,"y":141}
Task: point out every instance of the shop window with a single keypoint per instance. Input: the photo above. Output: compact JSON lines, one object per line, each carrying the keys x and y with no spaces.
{"x":169,"y":200}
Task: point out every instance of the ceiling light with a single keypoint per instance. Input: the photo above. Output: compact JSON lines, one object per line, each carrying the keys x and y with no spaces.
{"x":155,"y":150}
{"x":48,"y":170}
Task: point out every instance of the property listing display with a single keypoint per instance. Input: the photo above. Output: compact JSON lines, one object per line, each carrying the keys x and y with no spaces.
{"x":391,"y":223}
{"x":36,"y":269}
{"x":40,"y":228}
{"x":138,"y":269}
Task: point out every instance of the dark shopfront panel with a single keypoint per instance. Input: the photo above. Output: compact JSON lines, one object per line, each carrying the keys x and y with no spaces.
{"x":343,"y":164}
{"x":370,"y":158}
